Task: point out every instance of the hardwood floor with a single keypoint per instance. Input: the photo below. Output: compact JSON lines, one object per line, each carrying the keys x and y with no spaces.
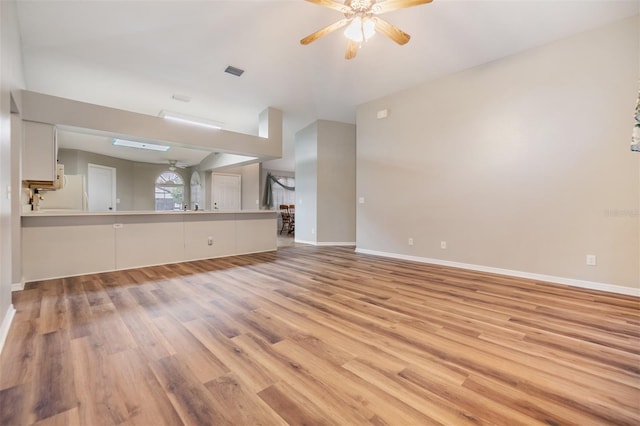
{"x":318,"y":336}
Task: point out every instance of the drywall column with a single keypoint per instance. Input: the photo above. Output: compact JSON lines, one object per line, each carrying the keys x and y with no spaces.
{"x":306,"y":143}
{"x":16,"y":202}
{"x":11,"y":78}
{"x":325,"y":183}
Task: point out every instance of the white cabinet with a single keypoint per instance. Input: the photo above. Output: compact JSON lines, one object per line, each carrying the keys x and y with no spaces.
{"x":39,"y":151}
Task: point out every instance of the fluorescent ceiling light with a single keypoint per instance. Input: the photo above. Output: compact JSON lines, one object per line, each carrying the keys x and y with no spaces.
{"x":141,"y":145}
{"x":196,"y":121}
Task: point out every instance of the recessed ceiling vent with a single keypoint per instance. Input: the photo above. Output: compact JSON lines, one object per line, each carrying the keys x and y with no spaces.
{"x":234,"y":71}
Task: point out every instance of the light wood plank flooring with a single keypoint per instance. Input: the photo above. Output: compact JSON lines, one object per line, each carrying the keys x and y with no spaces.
{"x":318,"y":336}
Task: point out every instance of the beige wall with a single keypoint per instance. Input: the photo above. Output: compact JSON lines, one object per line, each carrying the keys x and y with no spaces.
{"x":521,"y":164}
{"x":306,"y":152}
{"x":16,"y":201}
{"x":135,"y":182}
{"x":250,"y":184}
{"x":325,"y":183}
{"x":11,"y":78}
{"x":336,"y":182}
{"x":76,"y":163}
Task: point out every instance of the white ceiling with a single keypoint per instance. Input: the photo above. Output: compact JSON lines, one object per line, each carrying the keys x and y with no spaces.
{"x":136,"y":54}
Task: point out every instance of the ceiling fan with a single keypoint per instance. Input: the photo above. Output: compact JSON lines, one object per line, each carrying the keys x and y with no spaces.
{"x":173,"y":165}
{"x":362,"y":22}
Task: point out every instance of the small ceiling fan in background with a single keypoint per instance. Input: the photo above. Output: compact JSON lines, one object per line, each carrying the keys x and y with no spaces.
{"x":362,"y":22}
{"x":173,"y":165}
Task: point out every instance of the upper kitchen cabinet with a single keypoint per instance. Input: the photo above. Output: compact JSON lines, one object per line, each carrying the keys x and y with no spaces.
{"x":39,"y":152}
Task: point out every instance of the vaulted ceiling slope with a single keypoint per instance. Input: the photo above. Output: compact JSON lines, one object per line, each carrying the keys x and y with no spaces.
{"x":136,"y":54}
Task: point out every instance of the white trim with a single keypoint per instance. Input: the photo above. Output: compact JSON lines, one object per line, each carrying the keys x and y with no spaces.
{"x":533,"y":276}
{"x":327,"y":243}
{"x":17,"y":286}
{"x":340,"y":243}
{"x":313,"y":243}
{"x":6,"y":323}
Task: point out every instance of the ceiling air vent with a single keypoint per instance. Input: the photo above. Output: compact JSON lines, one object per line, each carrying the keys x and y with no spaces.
{"x":234,"y":71}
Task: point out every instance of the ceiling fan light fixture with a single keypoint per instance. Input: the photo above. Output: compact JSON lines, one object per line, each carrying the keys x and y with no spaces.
{"x":360,"y":29}
{"x":361,"y":21}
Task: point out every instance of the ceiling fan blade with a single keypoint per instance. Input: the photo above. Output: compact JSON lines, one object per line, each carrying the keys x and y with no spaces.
{"x":324,"y":31}
{"x":331,"y":4}
{"x":391,"y":5}
{"x":390,"y":31}
{"x":352,"y":49}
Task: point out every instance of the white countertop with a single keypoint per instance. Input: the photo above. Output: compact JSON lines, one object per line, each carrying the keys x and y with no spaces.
{"x":64,"y":212}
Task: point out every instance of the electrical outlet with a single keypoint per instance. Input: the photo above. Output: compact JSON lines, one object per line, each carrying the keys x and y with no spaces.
{"x":313,"y":231}
{"x":210,"y":241}
{"x":361,"y":200}
{"x":410,"y":241}
{"x":443,"y":244}
{"x":591,"y":259}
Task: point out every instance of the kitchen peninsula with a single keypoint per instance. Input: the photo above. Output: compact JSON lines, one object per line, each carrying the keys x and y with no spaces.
{"x":63,"y":243}
{"x":66,"y":243}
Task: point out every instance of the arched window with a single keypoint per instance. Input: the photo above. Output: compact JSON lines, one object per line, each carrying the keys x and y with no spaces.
{"x":169,"y":191}
{"x":196,"y":191}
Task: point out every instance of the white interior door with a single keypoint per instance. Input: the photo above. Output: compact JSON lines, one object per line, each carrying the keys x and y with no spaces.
{"x":101,"y":188}
{"x":226,"y":191}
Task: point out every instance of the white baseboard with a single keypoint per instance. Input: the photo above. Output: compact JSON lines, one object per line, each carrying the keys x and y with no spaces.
{"x":533,"y":276}
{"x":338,"y":243}
{"x":327,"y":243}
{"x":6,"y":323}
{"x":313,"y":243}
{"x":17,"y":286}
